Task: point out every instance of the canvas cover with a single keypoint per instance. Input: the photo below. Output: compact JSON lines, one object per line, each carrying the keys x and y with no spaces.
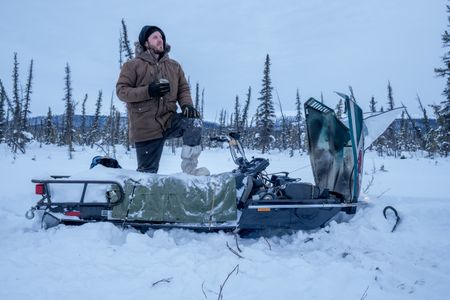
{"x":179,"y":199}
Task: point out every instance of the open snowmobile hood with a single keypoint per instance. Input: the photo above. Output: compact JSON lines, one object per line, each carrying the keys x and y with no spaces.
{"x":336,"y":149}
{"x":337,"y":146}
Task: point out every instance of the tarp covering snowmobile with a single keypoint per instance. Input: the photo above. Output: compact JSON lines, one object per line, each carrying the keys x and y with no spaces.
{"x":189,"y":199}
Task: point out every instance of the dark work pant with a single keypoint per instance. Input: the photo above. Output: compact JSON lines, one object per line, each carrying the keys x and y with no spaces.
{"x":149,"y":152}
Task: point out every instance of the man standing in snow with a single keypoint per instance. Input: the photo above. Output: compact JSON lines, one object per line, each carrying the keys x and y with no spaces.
{"x":152,"y":84}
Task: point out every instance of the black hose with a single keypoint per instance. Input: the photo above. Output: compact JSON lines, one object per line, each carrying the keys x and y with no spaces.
{"x":396,"y":215}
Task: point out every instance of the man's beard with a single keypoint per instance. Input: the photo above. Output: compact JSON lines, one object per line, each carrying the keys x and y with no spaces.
{"x":157,"y":50}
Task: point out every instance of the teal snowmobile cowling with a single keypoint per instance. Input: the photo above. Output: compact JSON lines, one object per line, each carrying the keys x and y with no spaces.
{"x":336,"y":149}
{"x":355,"y":122}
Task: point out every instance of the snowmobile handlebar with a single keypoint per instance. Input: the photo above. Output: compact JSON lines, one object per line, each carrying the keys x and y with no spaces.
{"x":253,"y":167}
{"x":236,"y":149}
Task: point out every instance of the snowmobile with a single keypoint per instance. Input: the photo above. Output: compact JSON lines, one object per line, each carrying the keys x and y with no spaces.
{"x":245,"y":199}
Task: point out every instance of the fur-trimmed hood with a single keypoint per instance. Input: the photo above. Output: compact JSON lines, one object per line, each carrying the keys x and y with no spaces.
{"x":139,"y":49}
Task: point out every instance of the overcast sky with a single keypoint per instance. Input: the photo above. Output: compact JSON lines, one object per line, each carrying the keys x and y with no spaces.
{"x":315,"y":46}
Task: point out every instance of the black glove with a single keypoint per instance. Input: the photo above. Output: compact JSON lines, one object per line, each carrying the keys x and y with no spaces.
{"x":156,"y":89}
{"x":190,"y":112}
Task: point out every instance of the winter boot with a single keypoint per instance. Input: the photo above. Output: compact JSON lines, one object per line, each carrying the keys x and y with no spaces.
{"x":189,"y":161}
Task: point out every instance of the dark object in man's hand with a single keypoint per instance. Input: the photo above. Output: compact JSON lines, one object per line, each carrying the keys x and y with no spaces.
{"x":156,"y":89}
{"x":190,"y":112}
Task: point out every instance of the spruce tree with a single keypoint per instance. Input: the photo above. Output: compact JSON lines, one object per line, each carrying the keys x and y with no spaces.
{"x":49,"y":135}
{"x":404,"y":143}
{"x":237,"y":118}
{"x":440,"y":133}
{"x":442,"y":111}
{"x":120,"y":51}
{"x":222,"y":120}
{"x":390,"y":103}
{"x":299,"y":121}
{"x":83,"y":121}
{"x":5,"y":95}
{"x":28,"y":90}
{"x":421,"y":136}
{"x":16,"y":142}
{"x":390,"y":135}
{"x":197,"y":97}
{"x":17,"y":117}
{"x":244,"y":116}
{"x":69,"y":111}
{"x":96,"y":123}
{"x":126,"y":46}
{"x":7,"y":136}
{"x":429,"y":136}
{"x":284,"y":133}
{"x":247,"y":134}
{"x":266,"y":111}
{"x":2,"y":116}
{"x":110,"y":132}
{"x":117,"y":136}
{"x":373,"y":104}
{"x":202,"y":106}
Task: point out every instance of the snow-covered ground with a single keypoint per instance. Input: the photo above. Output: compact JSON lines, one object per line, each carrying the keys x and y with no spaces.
{"x":359,"y":259}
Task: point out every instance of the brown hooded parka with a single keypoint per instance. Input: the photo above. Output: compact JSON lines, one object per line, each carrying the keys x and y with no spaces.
{"x":149,"y":117}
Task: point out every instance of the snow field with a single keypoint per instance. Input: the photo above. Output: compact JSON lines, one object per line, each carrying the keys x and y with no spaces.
{"x":345,"y":260}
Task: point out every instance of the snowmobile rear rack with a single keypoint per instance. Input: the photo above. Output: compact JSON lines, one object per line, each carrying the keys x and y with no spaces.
{"x":83,"y":208}
{"x":46,"y":196}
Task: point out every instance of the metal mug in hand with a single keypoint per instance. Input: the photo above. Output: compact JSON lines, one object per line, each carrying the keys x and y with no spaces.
{"x":164,"y":81}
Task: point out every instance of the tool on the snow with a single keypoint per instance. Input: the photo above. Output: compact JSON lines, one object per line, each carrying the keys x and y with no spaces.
{"x":397,"y":220}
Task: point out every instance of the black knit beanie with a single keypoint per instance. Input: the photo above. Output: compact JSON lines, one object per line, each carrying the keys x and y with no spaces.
{"x":146,"y":31}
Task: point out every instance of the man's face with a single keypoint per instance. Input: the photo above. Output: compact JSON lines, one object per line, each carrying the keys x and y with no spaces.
{"x":155,"y":42}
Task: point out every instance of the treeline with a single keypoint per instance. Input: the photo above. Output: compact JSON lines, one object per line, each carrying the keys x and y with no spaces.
{"x":260,"y":130}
